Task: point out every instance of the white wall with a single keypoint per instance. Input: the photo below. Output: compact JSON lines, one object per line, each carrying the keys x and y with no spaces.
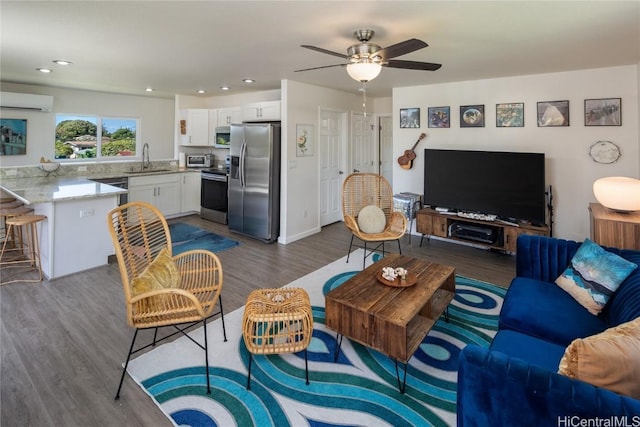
{"x":569,"y":169}
{"x":156,"y":119}
{"x":300,"y":175}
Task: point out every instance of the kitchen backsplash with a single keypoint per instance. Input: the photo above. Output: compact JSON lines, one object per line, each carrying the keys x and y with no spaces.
{"x":87,"y":169}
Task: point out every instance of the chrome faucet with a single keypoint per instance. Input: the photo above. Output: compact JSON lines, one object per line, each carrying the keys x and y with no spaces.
{"x":145,"y":156}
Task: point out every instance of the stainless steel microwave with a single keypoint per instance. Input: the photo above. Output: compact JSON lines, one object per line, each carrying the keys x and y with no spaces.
{"x":199,"y":160}
{"x":223,"y":137}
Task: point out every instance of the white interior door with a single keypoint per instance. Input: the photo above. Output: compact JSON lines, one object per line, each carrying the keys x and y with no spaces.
{"x":386,"y":148}
{"x":363,"y":152}
{"x":331,"y":149}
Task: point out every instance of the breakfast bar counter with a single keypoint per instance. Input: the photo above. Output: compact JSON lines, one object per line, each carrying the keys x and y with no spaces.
{"x":74,"y":237}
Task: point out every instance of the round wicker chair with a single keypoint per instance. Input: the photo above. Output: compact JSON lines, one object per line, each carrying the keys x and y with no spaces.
{"x":360,"y":190}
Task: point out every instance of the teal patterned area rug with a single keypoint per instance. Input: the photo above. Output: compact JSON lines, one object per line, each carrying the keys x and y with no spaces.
{"x":186,"y":237}
{"x":360,"y":389}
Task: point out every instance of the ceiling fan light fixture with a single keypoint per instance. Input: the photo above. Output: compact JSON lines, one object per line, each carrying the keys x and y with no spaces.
{"x":364,"y":71}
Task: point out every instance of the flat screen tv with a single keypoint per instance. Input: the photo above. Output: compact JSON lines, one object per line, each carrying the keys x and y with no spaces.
{"x":507,"y":184}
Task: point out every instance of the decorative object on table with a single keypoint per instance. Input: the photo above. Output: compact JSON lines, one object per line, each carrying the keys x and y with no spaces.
{"x":553,"y":113}
{"x":409,"y":118}
{"x":439,"y":117}
{"x":510,"y":115}
{"x":397,"y":277}
{"x":618,"y":193}
{"x":603,"y":112}
{"x":171,"y":373}
{"x":48,"y":166}
{"x":472,"y":116}
{"x":604,"y":152}
{"x":406,"y":160}
{"x":13,"y":137}
{"x":304,"y":140}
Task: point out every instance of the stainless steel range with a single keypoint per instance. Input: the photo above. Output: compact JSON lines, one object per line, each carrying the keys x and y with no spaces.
{"x":213,"y":195}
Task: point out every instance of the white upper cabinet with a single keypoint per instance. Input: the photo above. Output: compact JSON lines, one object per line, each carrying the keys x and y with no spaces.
{"x":226,"y":116}
{"x":261,"y":111}
{"x":197,"y":127}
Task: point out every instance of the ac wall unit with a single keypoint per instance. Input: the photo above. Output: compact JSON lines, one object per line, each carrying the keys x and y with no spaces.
{"x":26,"y":101}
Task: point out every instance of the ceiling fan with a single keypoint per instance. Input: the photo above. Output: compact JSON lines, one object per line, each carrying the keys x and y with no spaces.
{"x":365,"y":60}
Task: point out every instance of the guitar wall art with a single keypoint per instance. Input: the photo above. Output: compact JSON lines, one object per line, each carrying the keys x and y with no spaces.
{"x":406,"y":160}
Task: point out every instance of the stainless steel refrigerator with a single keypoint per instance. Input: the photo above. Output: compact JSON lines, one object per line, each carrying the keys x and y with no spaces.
{"x":254,"y":180}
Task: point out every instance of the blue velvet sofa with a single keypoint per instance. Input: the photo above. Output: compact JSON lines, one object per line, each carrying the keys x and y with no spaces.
{"x":515,"y":381}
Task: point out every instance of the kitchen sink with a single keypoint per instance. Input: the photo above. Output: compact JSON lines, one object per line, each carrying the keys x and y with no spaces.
{"x":150,"y":171}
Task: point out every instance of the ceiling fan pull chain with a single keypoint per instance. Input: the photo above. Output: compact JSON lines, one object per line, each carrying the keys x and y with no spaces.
{"x":364,"y":98}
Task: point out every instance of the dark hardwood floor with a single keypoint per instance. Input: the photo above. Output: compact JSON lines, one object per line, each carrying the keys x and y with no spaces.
{"x":62,"y":342}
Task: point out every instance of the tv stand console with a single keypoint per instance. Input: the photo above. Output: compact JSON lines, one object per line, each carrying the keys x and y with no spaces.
{"x":489,"y":234}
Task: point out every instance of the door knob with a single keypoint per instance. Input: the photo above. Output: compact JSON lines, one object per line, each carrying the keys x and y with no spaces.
{"x":340,"y":172}
{"x":356,"y":171}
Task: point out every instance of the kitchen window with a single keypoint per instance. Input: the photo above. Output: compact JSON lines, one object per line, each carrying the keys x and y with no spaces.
{"x":82,"y":137}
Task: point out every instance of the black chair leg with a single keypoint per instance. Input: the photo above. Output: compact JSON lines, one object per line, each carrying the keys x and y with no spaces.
{"x":350,"y":245}
{"x":124,"y":370}
{"x":364,"y":257}
{"x":399,"y":248}
{"x":206,"y":355}
{"x":249,"y":375}
{"x":224,"y":329}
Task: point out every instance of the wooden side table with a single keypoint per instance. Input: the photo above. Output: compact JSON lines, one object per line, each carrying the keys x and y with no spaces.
{"x":615,"y":229}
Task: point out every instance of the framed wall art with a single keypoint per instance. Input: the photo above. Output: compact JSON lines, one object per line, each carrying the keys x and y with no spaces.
{"x":439,"y":117}
{"x":510,"y":115}
{"x":603,"y":112}
{"x":409,"y":118}
{"x":13,"y":137}
{"x":472,"y":116}
{"x":304,"y":140}
{"x":553,"y":113}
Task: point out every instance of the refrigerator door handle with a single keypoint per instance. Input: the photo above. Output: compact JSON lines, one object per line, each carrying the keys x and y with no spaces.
{"x":243,"y":150}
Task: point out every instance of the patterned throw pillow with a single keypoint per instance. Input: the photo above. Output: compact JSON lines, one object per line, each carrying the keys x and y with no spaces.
{"x":594,"y":275}
{"x":608,"y":359}
{"x":162,"y":273}
{"x":371,"y":219}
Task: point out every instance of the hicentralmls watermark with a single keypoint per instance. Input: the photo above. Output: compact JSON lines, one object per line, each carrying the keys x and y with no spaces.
{"x":614,"y":421}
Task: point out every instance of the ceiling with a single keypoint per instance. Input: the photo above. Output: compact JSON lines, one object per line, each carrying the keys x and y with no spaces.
{"x":177,"y":47}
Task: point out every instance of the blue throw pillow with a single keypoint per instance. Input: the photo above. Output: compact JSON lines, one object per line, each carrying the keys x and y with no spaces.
{"x":594,"y":275}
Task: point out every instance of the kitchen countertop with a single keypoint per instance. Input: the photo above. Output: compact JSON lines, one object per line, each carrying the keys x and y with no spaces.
{"x":32,"y":190}
{"x":46,"y":190}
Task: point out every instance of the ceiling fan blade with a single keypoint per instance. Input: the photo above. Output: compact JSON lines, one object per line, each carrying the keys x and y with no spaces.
{"x":321,"y":50}
{"x":401,"y":48}
{"x":324,"y":66}
{"x":412,"y":65}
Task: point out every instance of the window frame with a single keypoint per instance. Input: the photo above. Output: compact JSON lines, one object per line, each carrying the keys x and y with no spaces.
{"x":100,"y":119}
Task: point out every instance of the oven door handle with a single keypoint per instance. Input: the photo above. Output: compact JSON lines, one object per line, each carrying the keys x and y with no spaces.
{"x":214,"y":178}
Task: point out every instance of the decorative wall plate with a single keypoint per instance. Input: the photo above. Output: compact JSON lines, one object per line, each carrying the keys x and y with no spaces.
{"x":604,"y":152}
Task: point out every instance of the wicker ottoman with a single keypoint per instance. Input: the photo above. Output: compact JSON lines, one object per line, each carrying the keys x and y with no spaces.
{"x":277,"y":321}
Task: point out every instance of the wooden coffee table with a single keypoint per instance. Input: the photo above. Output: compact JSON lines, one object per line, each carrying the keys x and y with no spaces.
{"x":392,"y":320}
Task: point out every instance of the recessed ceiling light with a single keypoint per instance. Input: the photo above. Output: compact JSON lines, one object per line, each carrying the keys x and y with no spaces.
{"x":248,"y":80}
{"x":44,"y":70}
{"x":225,"y":87}
{"x":202,"y":91}
{"x":62,"y":62}
{"x":149,"y":89}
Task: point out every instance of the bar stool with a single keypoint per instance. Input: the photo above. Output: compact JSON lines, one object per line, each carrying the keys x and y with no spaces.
{"x":10,"y":212}
{"x":26,"y":225}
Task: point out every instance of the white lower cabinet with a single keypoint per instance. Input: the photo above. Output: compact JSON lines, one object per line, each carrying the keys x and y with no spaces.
{"x":162,"y":191}
{"x":190,"y":184}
